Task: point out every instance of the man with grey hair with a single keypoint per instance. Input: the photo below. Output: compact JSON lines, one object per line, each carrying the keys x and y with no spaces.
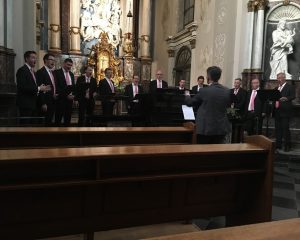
{"x":283,"y":112}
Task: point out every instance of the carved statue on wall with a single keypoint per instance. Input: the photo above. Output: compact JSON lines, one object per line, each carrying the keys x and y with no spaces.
{"x":282,"y":46}
{"x":99,"y":16}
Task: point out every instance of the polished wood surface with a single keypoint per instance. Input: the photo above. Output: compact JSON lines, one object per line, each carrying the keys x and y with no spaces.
{"x":279,"y":230}
{"x":62,"y":191}
{"x":11,"y":138}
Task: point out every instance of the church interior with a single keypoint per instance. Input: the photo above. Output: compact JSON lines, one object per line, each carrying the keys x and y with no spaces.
{"x":149,"y":119}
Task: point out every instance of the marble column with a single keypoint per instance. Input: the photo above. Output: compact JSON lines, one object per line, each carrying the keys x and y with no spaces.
{"x":194,"y":71}
{"x":249,"y":35}
{"x":171,"y":65}
{"x":74,"y":27}
{"x":145,"y":29}
{"x":54,"y":26}
{"x":259,"y":36}
{"x":2,"y":23}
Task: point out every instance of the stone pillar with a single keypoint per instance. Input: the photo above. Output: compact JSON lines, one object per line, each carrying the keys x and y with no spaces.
{"x":171,"y":64}
{"x":2,"y":23}
{"x":249,"y":36}
{"x":54,"y":26}
{"x":145,"y":29}
{"x":259,"y":36}
{"x":74,"y":27}
{"x":193,"y":63}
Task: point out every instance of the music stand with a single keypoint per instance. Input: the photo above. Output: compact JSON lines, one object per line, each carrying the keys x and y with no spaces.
{"x":267,"y":95}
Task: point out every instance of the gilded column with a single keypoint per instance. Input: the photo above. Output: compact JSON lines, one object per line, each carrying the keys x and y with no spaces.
{"x":74,"y":27}
{"x":259,"y":35}
{"x":54,"y":26}
{"x":249,"y":35}
{"x":145,"y":29}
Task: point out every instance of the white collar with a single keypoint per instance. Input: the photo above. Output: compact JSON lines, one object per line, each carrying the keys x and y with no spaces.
{"x":282,"y":86}
{"x":28,"y":66}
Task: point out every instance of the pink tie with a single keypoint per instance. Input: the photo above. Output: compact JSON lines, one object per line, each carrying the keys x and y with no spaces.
{"x":32,"y":73}
{"x":111,"y":86}
{"x":53,"y":82}
{"x":136,"y":90}
{"x":252,"y":100}
{"x":235,"y":91}
{"x":68,"y":80}
{"x":277,"y":104}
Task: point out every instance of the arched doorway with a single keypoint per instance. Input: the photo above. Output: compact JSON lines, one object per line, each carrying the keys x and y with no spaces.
{"x":183,"y":66}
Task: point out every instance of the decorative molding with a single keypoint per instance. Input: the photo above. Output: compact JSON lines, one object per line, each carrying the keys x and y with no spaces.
{"x":287,"y":12}
{"x":220,"y":41}
{"x":261,"y":4}
{"x":54,"y":28}
{"x":171,"y":53}
{"x":193,"y":43}
{"x":251,"y":6}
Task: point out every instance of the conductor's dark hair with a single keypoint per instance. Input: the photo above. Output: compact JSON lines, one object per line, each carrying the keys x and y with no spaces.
{"x":200,"y":77}
{"x":214,"y":73}
{"x":27,"y":54}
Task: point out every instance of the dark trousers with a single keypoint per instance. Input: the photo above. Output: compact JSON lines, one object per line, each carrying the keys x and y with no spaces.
{"x":210,"y":139}
{"x":63,"y":111}
{"x":85,"y":112}
{"x":49,"y":114}
{"x":253,"y":124}
{"x":107,"y":107}
{"x":28,"y":117}
{"x":282,"y":129}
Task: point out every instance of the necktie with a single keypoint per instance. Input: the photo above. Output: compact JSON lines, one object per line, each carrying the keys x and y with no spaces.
{"x":277,"y":103}
{"x":235,"y":91}
{"x":111,"y":86}
{"x":53,"y":82}
{"x":198,"y":88}
{"x":87,"y":80}
{"x":159,"y":84}
{"x":135,"y":90}
{"x":68,"y":80}
{"x":33,"y":76}
{"x":253,"y":96}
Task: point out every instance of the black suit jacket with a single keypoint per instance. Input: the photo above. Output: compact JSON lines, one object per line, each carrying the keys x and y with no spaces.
{"x":259,"y":106}
{"x":285,"y":107}
{"x":239,"y":99}
{"x":104,"y":87}
{"x":195,"y":89}
{"x":62,"y":89}
{"x":82,"y":86}
{"x":27,"y":89}
{"x":44,"y":78}
{"x":129,"y":91}
{"x":153,"y":85}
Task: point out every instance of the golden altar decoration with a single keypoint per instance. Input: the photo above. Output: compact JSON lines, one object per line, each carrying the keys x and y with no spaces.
{"x":102,"y":56}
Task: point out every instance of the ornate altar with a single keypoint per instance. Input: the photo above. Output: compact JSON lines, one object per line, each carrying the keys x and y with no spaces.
{"x":102,"y":56}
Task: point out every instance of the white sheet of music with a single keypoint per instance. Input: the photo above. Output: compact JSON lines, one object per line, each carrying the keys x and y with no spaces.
{"x":188,"y":113}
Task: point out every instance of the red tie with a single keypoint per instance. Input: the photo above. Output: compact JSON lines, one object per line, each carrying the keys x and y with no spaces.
{"x":252,"y":100}
{"x":32,"y":73}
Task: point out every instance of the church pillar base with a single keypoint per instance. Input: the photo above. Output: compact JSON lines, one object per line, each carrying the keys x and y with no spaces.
{"x":248,"y":75}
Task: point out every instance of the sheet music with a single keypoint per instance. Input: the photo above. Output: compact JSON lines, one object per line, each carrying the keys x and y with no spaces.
{"x":188,"y":113}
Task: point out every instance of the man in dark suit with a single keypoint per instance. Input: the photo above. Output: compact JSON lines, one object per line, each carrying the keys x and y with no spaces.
{"x":45,"y":76}
{"x":86,"y":90}
{"x":66,"y":92}
{"x":283,"y":112}
{"x":181,"y":86}
{"x":212,"y":124}
{"x":196,"y":88}
{"x":28,"y":89}
{"x":158,"y":83}
{"x":131,"y":90}
{"x":106,"y":91}
{"x":238,"y":96}
{"x":254,"y":110}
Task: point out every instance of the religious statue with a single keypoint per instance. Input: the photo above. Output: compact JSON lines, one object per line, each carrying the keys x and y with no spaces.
{"x":283,"y":42}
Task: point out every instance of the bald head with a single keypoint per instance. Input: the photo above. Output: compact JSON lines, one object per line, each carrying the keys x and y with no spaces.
{"x":281,"y":79}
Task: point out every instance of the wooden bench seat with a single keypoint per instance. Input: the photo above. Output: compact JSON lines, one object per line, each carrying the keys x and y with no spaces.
{"x":278,"y":230}
{"x":40,"y":137}
{"x":62,"y":191}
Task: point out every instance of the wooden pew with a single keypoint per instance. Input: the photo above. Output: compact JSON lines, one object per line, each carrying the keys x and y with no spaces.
{"x":94,"y":136}
{"x":62,"y":191}
{"x":286,"y":229}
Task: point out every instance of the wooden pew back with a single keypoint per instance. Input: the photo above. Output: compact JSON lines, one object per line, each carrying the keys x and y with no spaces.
{"x":55,"y":192}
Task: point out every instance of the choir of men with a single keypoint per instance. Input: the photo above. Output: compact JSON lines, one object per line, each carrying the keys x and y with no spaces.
{"x":49,"y":92}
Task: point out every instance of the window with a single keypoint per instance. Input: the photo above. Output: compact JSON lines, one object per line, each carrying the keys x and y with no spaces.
{"x":188,"y":13}
{"x":183,"y":66}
